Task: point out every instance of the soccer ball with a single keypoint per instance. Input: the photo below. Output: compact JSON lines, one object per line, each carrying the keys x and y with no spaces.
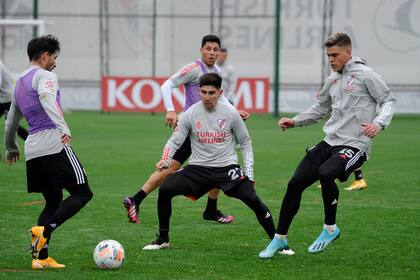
{"x":109,"y":254}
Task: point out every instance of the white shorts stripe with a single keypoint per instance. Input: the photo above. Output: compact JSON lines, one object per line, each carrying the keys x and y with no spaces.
{"x":354,"y":159}
{"x":76,"y":166}
{"x":76,"y":172}
{"x":72,"y":164}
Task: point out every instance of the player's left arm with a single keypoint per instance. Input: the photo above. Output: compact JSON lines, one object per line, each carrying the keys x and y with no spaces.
{"x":379,"y":91}
{"x":47,"y":90}
{"x":240,"y":132}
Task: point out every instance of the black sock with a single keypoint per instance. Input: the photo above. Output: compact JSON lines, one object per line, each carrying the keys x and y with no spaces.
{"x":139,"y":196}
{"x":48,"y":229}
{"x":358,"y":174}
{"x":43,"y":254}
{"x":164,"y":234}
{"x":211,"y":204}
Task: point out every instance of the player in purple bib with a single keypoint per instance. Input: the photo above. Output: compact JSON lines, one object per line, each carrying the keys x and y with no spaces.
{"x":51,"y":164}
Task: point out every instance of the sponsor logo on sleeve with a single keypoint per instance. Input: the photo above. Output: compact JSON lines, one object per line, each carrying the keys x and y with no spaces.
{"x":49,"y":84}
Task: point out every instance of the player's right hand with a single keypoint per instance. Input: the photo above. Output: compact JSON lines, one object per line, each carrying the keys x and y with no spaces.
{"x":161,"y":165}
{"x":171,"y":119}
{"x":244,"y":114}
{"x":12,"y":158}
{"x":285,"y":123}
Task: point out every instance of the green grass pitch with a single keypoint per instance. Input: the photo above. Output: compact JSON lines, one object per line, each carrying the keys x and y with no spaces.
{"x":380,"y":226}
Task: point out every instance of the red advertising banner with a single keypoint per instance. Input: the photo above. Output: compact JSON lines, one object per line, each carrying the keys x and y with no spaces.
{"x":142,"y":94}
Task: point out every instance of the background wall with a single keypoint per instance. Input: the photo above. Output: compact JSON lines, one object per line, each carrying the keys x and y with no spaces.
{"x":157,"y":37}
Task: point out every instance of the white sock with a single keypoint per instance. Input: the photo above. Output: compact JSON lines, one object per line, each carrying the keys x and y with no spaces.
{"x":281,"y":237}
{"x":330,"y":228}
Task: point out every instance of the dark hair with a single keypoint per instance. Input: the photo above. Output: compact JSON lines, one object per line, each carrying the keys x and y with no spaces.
{"x":211,"y":79}
{"x":340,"y":39}
{"x":223,"y":50}
{"x":39,"y":45}
{"x":210,"y":38}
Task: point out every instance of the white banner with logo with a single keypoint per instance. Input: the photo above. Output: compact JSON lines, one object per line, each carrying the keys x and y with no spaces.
{"x":142,"y":94}
{"x":252,"y":94}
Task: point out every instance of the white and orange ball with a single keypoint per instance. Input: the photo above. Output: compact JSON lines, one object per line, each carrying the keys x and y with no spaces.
{"x":109,"y":254}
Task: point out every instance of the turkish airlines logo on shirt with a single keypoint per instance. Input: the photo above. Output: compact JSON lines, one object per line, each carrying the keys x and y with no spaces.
{"x":221,"y":123}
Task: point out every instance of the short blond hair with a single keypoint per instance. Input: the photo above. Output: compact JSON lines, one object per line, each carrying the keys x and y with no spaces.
{"x":340,"y":39}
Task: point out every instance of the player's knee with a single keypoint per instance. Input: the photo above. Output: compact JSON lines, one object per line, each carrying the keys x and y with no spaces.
{"x":252,"y":197}
{"x":85,"y":194}
{"x":325,"y":174}
{"x":165,"y":188}
{"x":52,"y":206}
{"x":52,"y":201}
{"x":89,"y":196}
{"x":294,"y":186}
{"x":169,"y":172}
{"x":174,"y":167}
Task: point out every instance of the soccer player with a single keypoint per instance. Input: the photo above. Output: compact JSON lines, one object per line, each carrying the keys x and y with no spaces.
{"x":228,"y":75}
{"x":212,"y":127}
{"x":349,"y":96}
{"x":51,"y":164}
{"x":6,"y":89}
{"x":188,"y":76}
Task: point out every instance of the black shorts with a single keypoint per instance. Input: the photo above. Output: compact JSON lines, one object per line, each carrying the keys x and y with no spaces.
{"x":184,"y":152}
{"x":349,"y":157}
{"x":201,"y":179}
{"x":56,"y":171}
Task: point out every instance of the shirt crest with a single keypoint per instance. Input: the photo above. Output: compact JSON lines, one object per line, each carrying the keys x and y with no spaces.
{"x":221,"y":123}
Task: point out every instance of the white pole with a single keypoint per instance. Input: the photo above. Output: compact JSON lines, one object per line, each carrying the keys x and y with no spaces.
{"x":22,"y":22}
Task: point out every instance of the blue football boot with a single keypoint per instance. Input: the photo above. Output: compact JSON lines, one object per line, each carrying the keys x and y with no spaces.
{"x":276,"y":245}
{"x":323,"y":240}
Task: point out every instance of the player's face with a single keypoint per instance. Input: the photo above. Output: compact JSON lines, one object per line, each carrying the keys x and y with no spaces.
{"x":209,"y":53}
{"x":48,"y":60}
{"x":338,"y":57}
{"x":210,"y":96}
